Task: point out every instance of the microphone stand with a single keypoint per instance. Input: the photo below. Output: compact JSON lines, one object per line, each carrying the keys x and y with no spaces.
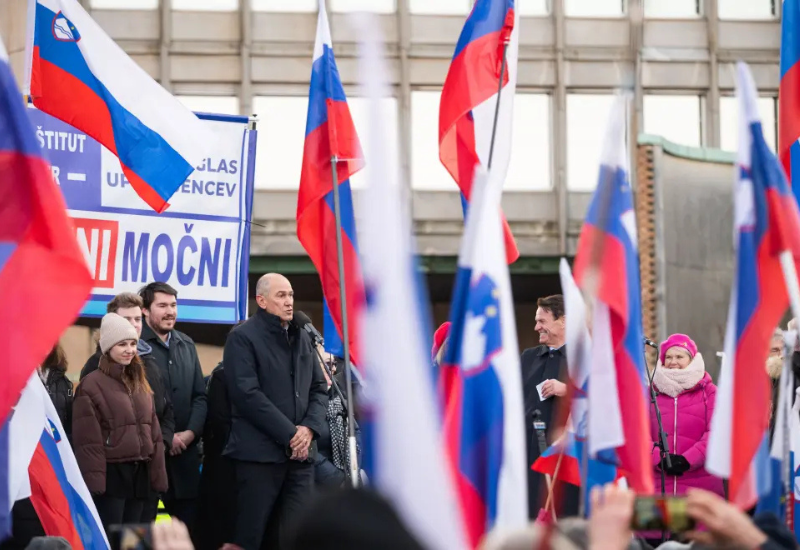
{"x":662,"y":436}
{"x":333,"y":380}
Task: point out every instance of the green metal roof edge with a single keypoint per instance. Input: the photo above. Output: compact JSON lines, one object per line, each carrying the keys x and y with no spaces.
{"x":684,"y":151}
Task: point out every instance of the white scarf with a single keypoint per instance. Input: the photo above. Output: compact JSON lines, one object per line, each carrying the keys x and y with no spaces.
{"x":674,"y":382}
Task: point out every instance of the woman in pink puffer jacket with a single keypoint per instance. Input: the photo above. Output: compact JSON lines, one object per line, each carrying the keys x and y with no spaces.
{"x":685,"y":396}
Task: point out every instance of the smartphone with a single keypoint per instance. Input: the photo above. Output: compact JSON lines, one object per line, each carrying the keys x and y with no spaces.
{"x":130,"y":536}
{"x":657,"y":513}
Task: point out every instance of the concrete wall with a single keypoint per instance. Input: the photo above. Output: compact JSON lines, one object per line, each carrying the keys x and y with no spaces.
{"x":694,"y":205}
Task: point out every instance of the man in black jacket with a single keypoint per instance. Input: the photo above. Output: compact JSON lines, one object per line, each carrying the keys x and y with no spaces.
{"x":545,"y":366}
{"x":129,"y":306}
{"x":177,"y":359}
{"x":278,"y":395}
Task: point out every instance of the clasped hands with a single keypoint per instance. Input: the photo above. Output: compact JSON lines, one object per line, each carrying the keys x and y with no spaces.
{"x":300,"y":443}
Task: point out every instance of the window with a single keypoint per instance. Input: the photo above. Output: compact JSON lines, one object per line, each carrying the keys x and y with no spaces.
{"x":426,"y":170}
{"x":671,"y":8}
{"x":206,"y":5}
{"x":729,"y":122}
{"x":222,"y":105}
{"x":440,"y":7}
{"x":675,"y":117}
{"x":529,"y":167}
{"x":534,"y":7}
{"x":594,"y":8}
{"x":281,"y":136}
{"x":374,"y":6}
{"x":124,"y":4}
{"x":587,"y":117}
{"x":389,"y":137}
{"x":746,"y":9}
{"x":296,"y":6}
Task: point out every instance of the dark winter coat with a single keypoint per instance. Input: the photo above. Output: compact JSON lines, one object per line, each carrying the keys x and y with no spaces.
{"x":182,"y":375}
{"x":166,"y":417}
{"x":539,"y":364}
{"x":275,"y":384}
{"x":60,"y":389}
{"x":216,"y":513}
{"x":111,"y":425}
{"x":687,"y":421}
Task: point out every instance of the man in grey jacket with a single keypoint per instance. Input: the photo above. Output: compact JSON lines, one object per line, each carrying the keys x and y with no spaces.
{"x":176,"y":356}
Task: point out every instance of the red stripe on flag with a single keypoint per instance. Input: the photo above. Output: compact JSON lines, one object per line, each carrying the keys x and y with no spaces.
{"x":84,"y":110}
{"x":45,"y":281}
{"x":49,"y":501}
{"x":316,"y":224}
{"x":788,"y":115}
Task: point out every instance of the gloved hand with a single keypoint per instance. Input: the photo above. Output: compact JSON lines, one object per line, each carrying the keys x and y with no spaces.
{"x":679,"y":465}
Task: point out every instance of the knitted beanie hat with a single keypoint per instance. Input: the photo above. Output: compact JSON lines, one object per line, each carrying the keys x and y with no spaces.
{"x":113,"y":330}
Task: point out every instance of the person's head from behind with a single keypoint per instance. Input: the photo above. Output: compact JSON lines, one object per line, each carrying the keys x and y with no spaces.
{"x":128,"y":305}
{"x":118,"y":339}
{"x":160,"y":306}
{"x":56,"y":359}
{"x":274,"y":294}
{"x":677,"y":351}
{"x":550,"y":320}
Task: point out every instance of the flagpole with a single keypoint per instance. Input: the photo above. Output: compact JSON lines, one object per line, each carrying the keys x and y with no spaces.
{"x":497,"y":105}
{"x":351,"y":431}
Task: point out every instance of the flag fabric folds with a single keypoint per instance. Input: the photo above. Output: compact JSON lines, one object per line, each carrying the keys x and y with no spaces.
{"x":79,"y":75}
{"x":766,"y":225}
{"x":401,"y":426}
{"x":330,"y":133}
{"x":480,"y":376}
{"x":44,"y":469}
{"x":607,"y":270}
{"x":789,"y":94}
{"x":44,"y":279}
{"x":470,"y":96}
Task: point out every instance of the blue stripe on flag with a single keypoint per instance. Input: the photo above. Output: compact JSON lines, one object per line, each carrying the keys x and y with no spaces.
{"x":333,"y":342}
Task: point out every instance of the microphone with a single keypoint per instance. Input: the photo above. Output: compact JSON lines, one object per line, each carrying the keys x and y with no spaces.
{"x":540,"y":427}
{"x":303,"y":322}
{"x":648,"y":342}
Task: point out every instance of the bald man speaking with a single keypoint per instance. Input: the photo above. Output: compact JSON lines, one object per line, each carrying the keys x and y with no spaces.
{"x":278,"y":398}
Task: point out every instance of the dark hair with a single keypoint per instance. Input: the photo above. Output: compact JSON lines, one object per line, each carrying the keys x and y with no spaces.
{"x":148,"y":292}
{"x":56,"y":359}
{"x":554,"y":304}
{"x":124,"y":299}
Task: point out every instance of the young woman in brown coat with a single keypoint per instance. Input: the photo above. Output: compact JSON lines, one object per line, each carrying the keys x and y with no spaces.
{"x":115,"y":432}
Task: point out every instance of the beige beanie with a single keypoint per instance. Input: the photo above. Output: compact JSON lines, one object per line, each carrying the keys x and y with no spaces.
{"x":113,"y":330}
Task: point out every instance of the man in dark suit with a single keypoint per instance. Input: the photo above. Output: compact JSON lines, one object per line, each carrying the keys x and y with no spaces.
{"x":544,"y":366}
{"x":278,"y":397}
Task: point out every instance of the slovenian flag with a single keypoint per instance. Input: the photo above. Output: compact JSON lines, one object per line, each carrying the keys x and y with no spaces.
{"x":44,"y":469}
{"x":607,"y":270}
{"x":77,"y":74}
{"x":469,"y":100}
{"x":480,"y":376}
{"x":767,"y":227}
{"x":330,"y":133}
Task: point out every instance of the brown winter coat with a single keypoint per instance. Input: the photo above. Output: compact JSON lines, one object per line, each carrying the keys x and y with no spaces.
{"x":110,"y":425}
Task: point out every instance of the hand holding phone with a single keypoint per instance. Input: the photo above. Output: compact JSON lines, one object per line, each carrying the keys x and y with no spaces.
{"x":657,"y":513}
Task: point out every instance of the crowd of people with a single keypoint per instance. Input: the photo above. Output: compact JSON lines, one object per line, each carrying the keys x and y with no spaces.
{"x":238,"y":456}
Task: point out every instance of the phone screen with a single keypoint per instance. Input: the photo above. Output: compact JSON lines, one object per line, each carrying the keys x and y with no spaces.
{"x":656,"y":513}
{"x":130,"y":537}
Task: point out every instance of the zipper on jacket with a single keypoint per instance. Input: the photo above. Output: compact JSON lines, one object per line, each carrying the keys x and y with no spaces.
{"x":675,"y":446}
{"x":138,"y":431}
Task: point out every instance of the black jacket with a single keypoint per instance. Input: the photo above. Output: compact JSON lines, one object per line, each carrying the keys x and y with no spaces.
{"x":274,"y":384}
{"x":182,"y":375}
{"x":166,"y":417}
{"x":218,"y":419}
{"x":540,"y":364}
{"x":60,"y":389}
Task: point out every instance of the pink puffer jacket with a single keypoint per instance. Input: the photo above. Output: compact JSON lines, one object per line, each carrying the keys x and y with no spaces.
{"x":687,"y":421}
